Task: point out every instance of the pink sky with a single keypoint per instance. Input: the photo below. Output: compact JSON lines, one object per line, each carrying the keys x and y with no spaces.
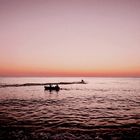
{"x":70,"y":38}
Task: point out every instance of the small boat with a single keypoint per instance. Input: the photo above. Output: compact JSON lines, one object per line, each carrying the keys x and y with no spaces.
{"x":50,"y":88}
{"x":83,"y":82}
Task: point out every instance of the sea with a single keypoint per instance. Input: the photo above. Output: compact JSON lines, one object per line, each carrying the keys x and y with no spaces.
{"x":102,"y":109}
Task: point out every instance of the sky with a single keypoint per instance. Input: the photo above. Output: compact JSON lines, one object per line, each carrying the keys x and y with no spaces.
{"x":70,"y":38}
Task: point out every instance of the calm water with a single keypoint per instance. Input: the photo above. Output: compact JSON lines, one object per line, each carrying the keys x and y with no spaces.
{"x":102,"y":103}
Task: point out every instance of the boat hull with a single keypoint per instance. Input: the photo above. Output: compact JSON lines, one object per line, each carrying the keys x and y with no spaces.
{"x":52,"y":88}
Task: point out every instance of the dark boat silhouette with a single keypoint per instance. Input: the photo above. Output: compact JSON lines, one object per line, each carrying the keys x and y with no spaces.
{"x":50,"y":88}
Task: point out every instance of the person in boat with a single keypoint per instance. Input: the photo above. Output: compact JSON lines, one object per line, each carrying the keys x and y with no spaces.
{"x":57,"y":87}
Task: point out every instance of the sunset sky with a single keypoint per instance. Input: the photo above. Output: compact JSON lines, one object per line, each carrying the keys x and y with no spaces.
{"x":70,"y":38}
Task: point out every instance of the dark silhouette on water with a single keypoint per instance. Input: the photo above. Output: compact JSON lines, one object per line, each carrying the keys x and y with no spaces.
{"x":41,"y":84}
{"x":57,"y":88}
{"x":83,"y":82}
{"x":50,"y":87}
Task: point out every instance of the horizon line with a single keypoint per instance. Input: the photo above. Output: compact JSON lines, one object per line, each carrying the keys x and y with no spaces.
{"x":69,"y":76}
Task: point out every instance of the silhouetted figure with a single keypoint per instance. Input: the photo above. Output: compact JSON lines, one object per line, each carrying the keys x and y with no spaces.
{"x":50,"y":87}
{"x":57,"y":87}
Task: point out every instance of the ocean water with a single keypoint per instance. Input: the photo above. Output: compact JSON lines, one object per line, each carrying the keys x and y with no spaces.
{"x":104,"y":108}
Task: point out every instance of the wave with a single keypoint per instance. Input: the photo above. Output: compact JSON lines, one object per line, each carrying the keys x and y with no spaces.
{"x":40,"y":84}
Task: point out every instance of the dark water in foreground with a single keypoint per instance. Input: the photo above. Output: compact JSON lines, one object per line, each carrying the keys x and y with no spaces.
{"x":105,"y":108}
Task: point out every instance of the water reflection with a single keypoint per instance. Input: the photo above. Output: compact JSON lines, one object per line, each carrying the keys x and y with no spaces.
{"x":75,"y":107}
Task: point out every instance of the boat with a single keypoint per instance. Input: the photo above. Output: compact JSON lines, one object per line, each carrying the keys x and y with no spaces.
{"x":50,"y":88}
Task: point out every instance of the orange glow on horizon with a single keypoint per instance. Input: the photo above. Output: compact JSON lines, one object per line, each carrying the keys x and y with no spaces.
{"x":26,"y":71}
